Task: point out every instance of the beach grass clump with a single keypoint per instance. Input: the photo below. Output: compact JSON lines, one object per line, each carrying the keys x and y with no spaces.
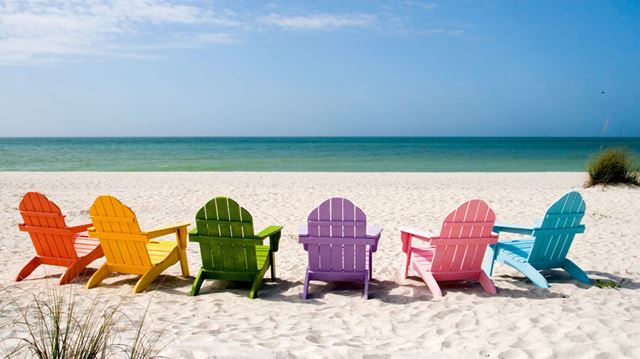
{"x":613,"y":166}
{"x":607,"y":283}
{"x":55,"y":326}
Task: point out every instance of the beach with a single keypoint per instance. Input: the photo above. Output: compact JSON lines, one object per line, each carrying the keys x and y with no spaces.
{"x":400,"y":319}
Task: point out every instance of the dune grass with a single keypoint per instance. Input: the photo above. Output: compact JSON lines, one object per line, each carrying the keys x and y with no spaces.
{"x":611,"y":166}
{"x":55,"y":325}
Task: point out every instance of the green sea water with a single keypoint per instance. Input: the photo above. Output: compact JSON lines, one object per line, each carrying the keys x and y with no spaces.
{"x":326,"y":154}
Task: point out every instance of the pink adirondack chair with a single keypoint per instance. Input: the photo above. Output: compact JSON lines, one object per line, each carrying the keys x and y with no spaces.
{"x":339,"y":243}
{"x":457,"y":253}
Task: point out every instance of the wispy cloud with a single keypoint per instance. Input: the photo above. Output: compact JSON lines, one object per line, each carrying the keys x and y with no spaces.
{"x":421,"y":4}
{"x":43,"y":31}
{"x":35,"y":31}
{"x":443,"y":31}
{"x":318,"y":21}
{"x":198,"y":40}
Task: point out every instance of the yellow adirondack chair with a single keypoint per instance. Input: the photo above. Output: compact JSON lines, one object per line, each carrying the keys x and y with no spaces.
{"x":131,"y":251}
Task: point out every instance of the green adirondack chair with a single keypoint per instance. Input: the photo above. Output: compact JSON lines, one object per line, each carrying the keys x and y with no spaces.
{"x":229,"y":248}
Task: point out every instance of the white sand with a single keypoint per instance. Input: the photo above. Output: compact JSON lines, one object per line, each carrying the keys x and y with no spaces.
{"x":400,"y":318}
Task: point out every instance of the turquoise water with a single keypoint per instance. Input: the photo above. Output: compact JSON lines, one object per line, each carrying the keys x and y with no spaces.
{"x":332,"y":154}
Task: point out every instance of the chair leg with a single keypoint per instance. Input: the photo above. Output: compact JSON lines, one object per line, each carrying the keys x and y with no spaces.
{"x":184,"y":265}
{"x":489,"y":259}
{"x":73,"y":271}
{"x":366,"y":286}
{"x":28,"y":269}
{"x":145,"y":281}
{"x":272,"y":257}
{"x":370,"y":264}
{"x":256,"y":286}
{"x":433,"y":285}
{"x":98,"y":276}
{"x":82,"y":263}
{"x":430,"y":281}
{"x":576,"y":272}
{"x":258,"y":280}
{"x":487,"y":283}
{"x":528,"y":270}
{"x":197,"y":283}
{"x":305,"y":290}
{"x":153,"y":273}
{"x":406,"y":269}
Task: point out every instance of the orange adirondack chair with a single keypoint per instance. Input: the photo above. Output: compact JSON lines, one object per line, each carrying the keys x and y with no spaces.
{"x":55,"y":243}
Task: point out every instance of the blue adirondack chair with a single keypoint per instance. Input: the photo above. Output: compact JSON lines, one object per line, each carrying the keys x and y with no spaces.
{"x":547,"y":245}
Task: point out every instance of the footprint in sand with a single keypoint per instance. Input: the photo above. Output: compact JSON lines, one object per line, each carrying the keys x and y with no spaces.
{"x":550,"y":329}
{"x":513,"y":353}
{"x":467,"y":324}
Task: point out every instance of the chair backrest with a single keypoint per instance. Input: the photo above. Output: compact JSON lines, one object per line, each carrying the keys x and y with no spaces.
{"x":45,"y":224}
{"x":337,"y":237}
{"x":226,"y":237}
{"x":120,"y":237}
{"x":464,"y":237}
{"x":560,"y":224}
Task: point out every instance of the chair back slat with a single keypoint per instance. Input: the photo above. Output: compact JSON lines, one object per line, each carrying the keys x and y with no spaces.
{"x":226,"y":236}
{"x":561,"y":223}
{"x":117,"y":228}
{"x":337,"y":237}
{"x":463,"y":239}
{"x":46,"y":226}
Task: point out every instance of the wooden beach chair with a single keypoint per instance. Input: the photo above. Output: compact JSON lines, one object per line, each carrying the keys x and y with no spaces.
{"x":55,"y":243}
{"x":546,"y":245}
{"x":455,"y":254}
{"x":229,"y":248}
{"x":131,"y":251}
{"x":339,"y":244}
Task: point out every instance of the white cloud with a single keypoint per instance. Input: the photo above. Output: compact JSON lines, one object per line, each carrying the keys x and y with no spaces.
{"x":37,"y":31}
{"x":43,"y":31}
{"x":198,"y":40}
{"x":318,"y":21}
{"x":441,"y":31}
{"x":421,"y":4}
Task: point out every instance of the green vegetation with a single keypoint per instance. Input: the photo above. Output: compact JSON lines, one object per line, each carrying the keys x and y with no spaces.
{"x":55,"y":326}
{"x":601,"y":283}
{"x":613,"y":166}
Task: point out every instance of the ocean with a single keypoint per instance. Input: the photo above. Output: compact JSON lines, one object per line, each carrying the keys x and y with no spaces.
{"x":305,"y":154}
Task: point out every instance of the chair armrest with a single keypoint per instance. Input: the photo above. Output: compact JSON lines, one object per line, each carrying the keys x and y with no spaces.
{"x":512,"y":228}
{"x":418,"y":233}
{"x":163,"y":231}
{"x":274,"y":233}
{"x":303,"y":230}
{"x":374,"y":231}
{"x":81,"y":228}
{"x":407,"y":233}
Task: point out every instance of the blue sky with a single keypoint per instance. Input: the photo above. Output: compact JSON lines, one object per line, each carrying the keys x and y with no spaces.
{"x":325,"y":68}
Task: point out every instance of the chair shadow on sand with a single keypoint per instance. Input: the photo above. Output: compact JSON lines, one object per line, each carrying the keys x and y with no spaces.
{"x":622,"y":282}
{"x":163,"y":283}
{"x":556,"y":276}
{"x":388,"y":291}
{"x":272,"y":290}
{"x":475,"y":289}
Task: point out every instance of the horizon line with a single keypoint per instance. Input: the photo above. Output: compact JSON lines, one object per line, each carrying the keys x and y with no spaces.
{"x":333,"y":136}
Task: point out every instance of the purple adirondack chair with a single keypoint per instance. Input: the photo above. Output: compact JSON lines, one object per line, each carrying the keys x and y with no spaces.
{"x":339,"y":243}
